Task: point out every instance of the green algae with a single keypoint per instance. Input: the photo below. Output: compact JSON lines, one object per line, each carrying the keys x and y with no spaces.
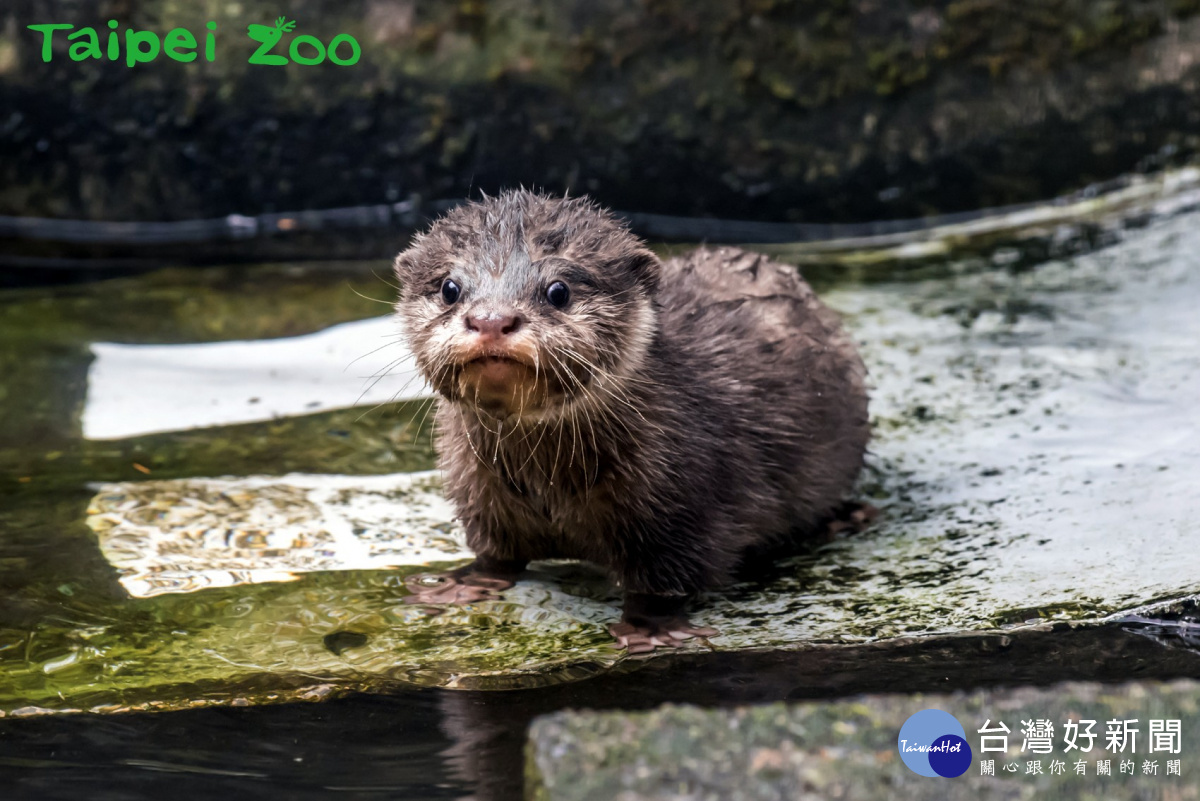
{"x":188,"y":305}
{"x":226,"y":643}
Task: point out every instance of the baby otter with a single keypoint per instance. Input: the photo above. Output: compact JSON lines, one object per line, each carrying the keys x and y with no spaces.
{"x":658,"y":418}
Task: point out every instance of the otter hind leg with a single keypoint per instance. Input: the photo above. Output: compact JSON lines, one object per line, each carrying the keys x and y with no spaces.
{"x":650,"y":621}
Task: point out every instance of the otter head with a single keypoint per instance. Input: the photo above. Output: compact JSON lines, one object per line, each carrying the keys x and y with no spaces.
{"x":522,"y":304}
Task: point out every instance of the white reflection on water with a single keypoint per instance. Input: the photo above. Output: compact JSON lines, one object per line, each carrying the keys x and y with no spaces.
{"x":143,"y":389}
{"x":187,"y":535}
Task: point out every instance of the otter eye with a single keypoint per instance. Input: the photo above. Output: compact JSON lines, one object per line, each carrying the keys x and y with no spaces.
{"x":558,"y":294}
{"x":450,"y":291}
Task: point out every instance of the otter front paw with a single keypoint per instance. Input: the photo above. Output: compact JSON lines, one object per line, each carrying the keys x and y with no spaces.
{"x":453,"y":588}
{"x":645,"y":635}
{"x":482,"y":580}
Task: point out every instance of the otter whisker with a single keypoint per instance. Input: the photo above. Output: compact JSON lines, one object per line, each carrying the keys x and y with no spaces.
{"x":394,"y":397}
{"x":424,"y":417}
{"x":608,"y":384}
{"x":367,"y":297}
{"x":575,"y":428}
{"x":466,"y":430}
{"x":383,"y":280}
{"x":378,"y":376}
{"x":588,"y":394}
{"x":398,"y":340}
{"x":536,"y":446}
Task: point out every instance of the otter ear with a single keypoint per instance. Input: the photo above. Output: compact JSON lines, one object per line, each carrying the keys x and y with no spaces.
{"x":645,"y":267}
{"x":402,"y":265}
{"x":406,"y":268}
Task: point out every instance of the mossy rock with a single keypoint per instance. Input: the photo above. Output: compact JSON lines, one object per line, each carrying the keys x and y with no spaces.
{"x":848,"y":749}
{"x":803,"y":111}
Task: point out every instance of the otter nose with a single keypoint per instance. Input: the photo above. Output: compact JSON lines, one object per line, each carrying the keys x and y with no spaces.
{"x":493,"y":325}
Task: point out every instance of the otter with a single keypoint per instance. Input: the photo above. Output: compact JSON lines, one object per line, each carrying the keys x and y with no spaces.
{"x":660,"y":418}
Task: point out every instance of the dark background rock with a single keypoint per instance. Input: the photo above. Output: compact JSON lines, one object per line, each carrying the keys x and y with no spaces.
{"x":821,"y":111}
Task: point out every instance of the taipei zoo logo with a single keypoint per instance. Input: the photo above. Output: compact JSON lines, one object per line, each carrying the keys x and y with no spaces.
{"x":933,"y":743}
{"x":179,"y":44}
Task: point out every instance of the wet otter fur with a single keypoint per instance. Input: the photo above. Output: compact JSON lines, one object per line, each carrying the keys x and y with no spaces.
{"x":657,"y":418}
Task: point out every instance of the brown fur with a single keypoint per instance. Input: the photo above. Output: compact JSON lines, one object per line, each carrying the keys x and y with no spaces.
{"x":675,"y":413}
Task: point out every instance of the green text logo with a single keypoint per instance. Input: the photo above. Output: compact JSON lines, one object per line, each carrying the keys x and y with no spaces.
{"x":179,"y":44}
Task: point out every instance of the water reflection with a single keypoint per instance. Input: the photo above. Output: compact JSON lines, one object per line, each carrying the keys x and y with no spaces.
{"x":142,"y":389}
{"x":183,"y":536}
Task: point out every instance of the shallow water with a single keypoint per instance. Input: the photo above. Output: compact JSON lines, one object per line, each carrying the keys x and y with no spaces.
{"x":1035,"y":453}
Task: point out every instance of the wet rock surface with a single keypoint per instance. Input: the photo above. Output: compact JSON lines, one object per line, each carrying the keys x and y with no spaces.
{"x":1034,"y":459}
{"x":848,"y":749}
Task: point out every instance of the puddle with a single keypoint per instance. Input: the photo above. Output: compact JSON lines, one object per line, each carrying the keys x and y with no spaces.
{"x":1035,"y":455}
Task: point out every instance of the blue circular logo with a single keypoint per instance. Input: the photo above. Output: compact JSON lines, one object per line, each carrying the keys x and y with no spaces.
{"x":933,"y":743}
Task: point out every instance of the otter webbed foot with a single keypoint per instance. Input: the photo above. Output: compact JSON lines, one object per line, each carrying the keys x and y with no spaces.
{"x":653,"y":621}
{"x":646,"y":637}
{"x":479,"y":581}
